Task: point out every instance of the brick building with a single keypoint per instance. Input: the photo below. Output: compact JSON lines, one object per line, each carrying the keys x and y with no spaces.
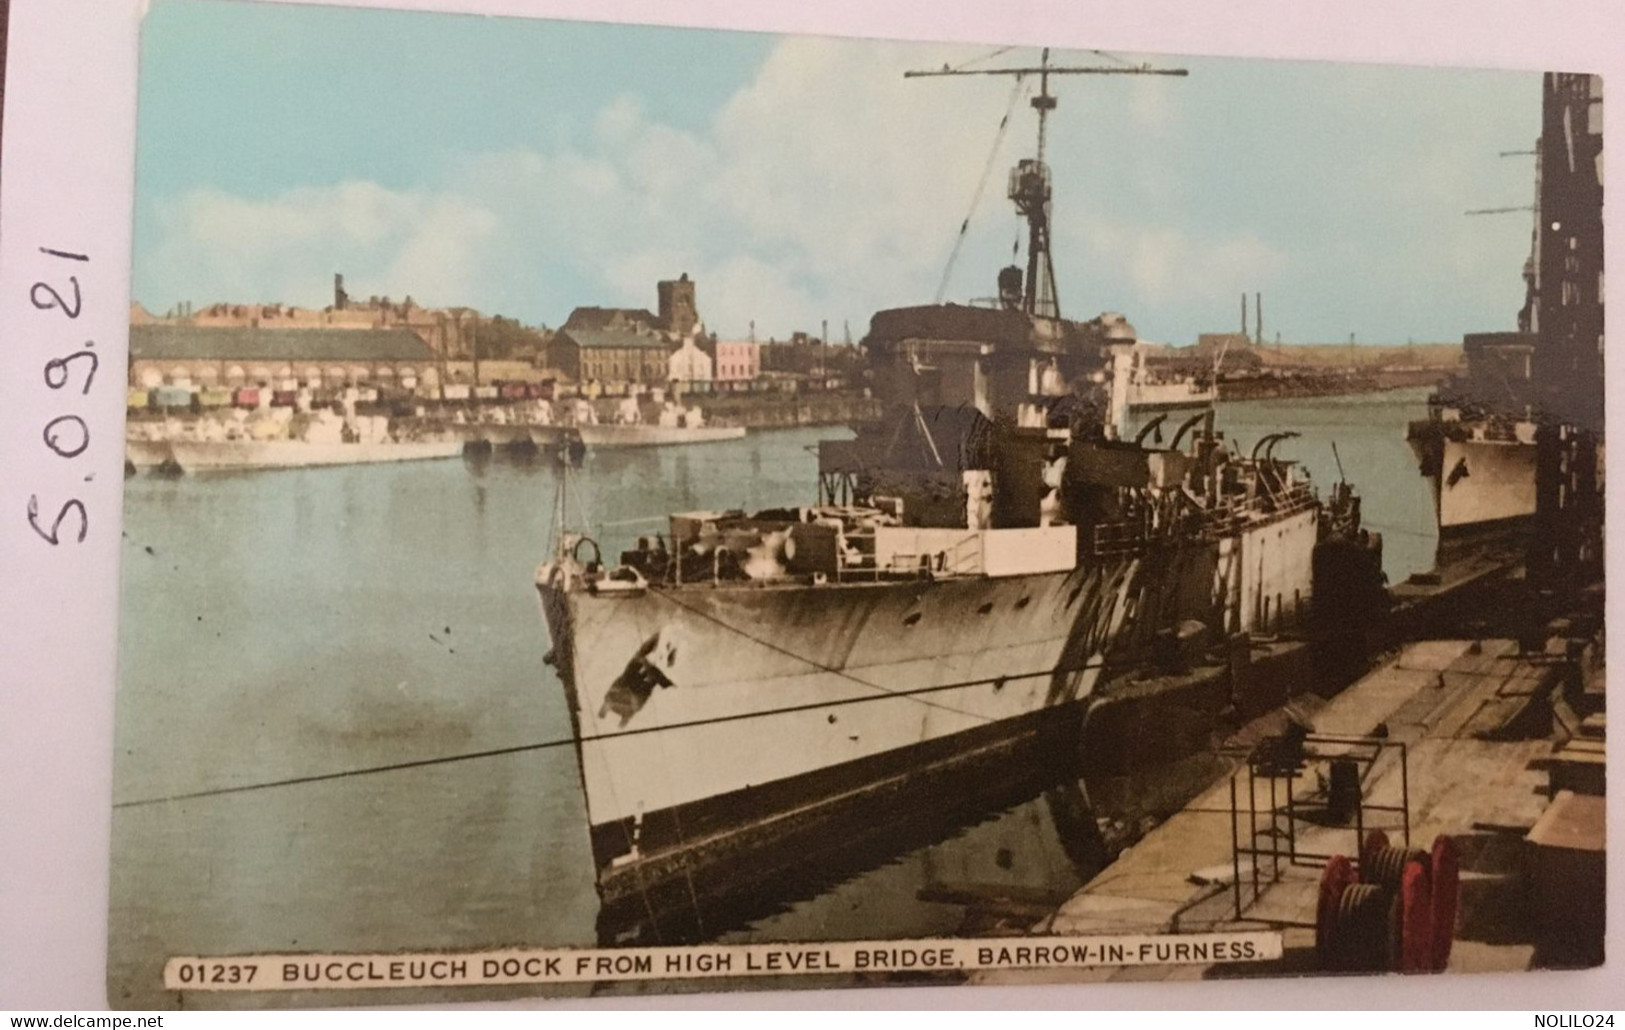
{"x":624,"y":349}
{"x":616,"y":359}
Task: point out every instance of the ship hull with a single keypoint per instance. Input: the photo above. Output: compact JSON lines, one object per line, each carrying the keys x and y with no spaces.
{"x":236,"y":455}
{"x":510,"y":435}
{"x":1483,"y":490}
{"x":1169,"y":397}
{"x":146,"y":454}
{"x":716,"y":721}
{"x":655,"y":436}
{"x":719,"y":725}
{"x":712,"y":853}
{"x":1191,"y":404}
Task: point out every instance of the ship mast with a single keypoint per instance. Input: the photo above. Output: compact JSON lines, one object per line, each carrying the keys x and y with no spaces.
{"x":1030,"y":186}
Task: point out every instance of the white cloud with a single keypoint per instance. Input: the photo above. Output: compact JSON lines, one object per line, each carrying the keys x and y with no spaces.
{"x":1170,"y":267}
{"x":803,"y":200}
{"x":619,"y":120}
{"x":828,"y":187}
{"x":215,"y":246}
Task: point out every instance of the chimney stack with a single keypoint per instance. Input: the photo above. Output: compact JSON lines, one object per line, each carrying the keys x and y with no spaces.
{"x":1244,"y":313}
{"x":1258,"y":319}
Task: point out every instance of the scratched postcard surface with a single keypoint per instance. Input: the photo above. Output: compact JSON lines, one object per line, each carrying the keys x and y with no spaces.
{"x":613,"y":508}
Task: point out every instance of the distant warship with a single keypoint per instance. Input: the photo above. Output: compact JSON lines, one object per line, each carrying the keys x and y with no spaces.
{"x":1478,"y":446}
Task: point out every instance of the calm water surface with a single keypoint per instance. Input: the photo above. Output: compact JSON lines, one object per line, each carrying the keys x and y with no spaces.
{"x":286,"y":624}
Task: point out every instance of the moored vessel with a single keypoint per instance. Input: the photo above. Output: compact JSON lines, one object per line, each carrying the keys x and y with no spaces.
{"x":1514,"y":447}
{"x":1151,"y":390}
{"x":1476,"y":448}
{"x":278,"y":438}
{"x":615,"y":435}
{"x":237,"y":455}
{"x":972,"y":566}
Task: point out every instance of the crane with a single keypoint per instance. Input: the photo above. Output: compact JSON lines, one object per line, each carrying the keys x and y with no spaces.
{"x":1030,"y":187}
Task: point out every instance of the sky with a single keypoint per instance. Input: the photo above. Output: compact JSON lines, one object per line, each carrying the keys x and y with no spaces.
{"x":524,"y":167}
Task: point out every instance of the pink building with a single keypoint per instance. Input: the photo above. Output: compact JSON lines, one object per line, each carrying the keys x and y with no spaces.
{"x":737,"y":361}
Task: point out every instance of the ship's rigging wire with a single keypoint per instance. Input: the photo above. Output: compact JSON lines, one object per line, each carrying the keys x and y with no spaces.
{"x":516,"y":749}
{"x":981,"y":185}
{"x":985,"y":57}
{"x":1388,"y":527}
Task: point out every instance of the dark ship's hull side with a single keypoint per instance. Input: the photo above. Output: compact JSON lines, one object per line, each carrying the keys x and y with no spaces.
{"x":716,"y":852}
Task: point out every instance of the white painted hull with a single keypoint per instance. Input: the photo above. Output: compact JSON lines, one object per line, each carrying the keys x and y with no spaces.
{"x":146,"y":454}
{"x":736,"y":651}
{"x":1170,"y":396}
{"x":1499,"y":483}
{"x":713,"y":718}
{"x":1275,"y":572}
{"x":655,"y":436}
{"x":1477,"y":483}
{"x":195,"y":456}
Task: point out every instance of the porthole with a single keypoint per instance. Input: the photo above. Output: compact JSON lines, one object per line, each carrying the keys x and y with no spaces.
{"x":985,"y":608}
{"x":911,"y":618}
{"x":1023,"y":603}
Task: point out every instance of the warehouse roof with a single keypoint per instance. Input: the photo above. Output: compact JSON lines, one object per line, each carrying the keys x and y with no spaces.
{"x":594,"y":339}
{"x":202,"y":343}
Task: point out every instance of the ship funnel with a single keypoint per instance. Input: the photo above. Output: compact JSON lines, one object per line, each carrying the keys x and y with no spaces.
{"x":1010,"y":287}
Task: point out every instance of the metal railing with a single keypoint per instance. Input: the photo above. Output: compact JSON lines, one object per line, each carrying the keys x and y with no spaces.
{"x":1282,"y":760}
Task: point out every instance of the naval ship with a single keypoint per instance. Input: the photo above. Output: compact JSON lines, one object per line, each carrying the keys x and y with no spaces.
{"x":1478,"y":447}
{"x":970,"y":568}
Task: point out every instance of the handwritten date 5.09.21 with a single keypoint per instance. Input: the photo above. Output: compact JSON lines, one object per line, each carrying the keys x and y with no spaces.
{"x":67,"y":435}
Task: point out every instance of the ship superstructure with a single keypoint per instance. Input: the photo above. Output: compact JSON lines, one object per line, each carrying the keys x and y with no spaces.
{"x":973,"y":564}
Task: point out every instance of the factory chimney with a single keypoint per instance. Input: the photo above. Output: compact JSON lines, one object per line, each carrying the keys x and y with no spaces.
{"x":1258,"y":316}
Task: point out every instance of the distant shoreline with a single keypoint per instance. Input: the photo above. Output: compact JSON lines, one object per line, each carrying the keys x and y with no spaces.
{"x":1328,"y":384}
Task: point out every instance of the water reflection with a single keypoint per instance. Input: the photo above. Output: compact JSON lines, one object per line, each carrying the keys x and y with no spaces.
{"x":1002,"y":865}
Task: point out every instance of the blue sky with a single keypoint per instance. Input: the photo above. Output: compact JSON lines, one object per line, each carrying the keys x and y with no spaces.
{"x":524,"y":167}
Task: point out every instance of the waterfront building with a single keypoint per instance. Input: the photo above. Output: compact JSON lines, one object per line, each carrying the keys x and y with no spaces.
{"x":207,"y":357}
{"x":450,"y":332}
{"x":624,"y":350}
{"x":689,"y":368}
{"x":617,"y":359}
{"x":737,"y":363}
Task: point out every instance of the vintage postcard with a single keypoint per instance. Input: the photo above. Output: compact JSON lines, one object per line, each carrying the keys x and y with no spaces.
{"x":619,"y":509}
